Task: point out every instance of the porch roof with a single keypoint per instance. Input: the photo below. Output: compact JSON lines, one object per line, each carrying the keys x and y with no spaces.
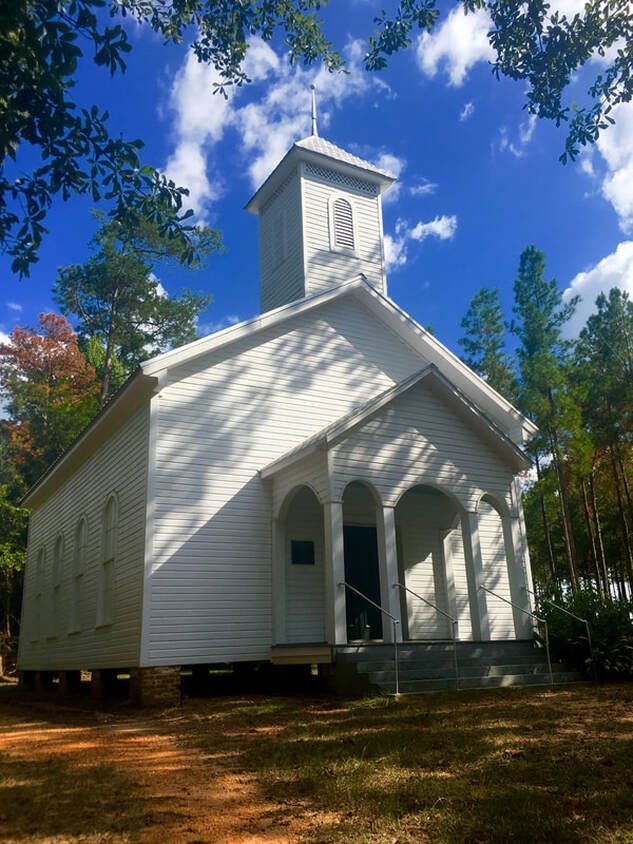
{"x":339,"y":430}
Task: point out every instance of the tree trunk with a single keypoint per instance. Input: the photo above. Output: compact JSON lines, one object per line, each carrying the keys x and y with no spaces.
{"x":568,"y":538}
{"x":592,"y":538}
{"x":626,"y":534}
{"x":598,"y":526}
{"x":546,"y":530}
{"x":109,"y":351}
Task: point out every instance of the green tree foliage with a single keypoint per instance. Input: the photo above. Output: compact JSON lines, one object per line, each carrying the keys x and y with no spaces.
{"x":120,"y":306}
{"x":544,"y":49}
{"x":545,"y":396}
{"x":42,"y":46}
{"x":484,"y":342}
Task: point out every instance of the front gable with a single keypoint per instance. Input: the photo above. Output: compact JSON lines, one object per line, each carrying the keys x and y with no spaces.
{"x":424,"y":437}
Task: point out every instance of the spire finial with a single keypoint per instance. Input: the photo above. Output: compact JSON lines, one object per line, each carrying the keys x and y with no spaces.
{"x":315,"y":130}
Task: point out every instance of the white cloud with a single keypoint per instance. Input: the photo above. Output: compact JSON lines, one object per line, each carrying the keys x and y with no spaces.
{"x":443,"y":227}
{"x":224,"y":322}
{"x":423,"y":188}
{"x":615,"y":145}
{"x":4,"y":338}
{"x":395,"y":252}
{"x":14,"y":306}
{"x":395,"y":166}
{"x":456,"y":45}
{"x":266,"y":128}
{"x":519,"y":145}
{"x":467,"y":111}
{"x":616,"y":270}
{"x":396,"y":245}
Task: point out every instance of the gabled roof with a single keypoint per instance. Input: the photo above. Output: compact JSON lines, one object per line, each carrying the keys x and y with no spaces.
{"x":339,"y":430}
{"x":315,"y":149}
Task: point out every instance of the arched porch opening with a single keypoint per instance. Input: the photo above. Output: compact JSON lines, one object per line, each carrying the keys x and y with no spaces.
{"x":301,"y":522}
{"x":495,"y":558}
{"x":362,"y":571}
{"x":428,"y":535}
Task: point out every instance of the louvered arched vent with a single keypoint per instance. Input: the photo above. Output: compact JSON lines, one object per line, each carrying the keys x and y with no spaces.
{"x":343,"y":224}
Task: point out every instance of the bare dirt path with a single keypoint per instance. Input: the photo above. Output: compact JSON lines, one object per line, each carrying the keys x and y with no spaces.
{"x":80,"y":776}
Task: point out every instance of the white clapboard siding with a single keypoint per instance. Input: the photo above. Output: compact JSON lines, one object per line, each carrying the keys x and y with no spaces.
{"x":305,"y":584}
{"x":495,"y":572}
{"x":219,"y":421}
{"x":119,"y":467}
{"x":421,"y":519}
{"x":454,"y":553}
{"x":325,"y":267}
{"x":281,"y":248}
{"x":417,"y":437}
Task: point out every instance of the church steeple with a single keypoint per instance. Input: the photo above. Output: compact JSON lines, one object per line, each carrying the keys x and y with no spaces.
{"x":320,"y":221}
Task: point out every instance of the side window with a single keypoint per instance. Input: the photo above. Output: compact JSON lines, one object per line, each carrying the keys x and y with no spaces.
{"x":40,"y":569}
{"x":79,"y":565}
{"x":57,"y":573}
{"x":342,"y":236}
{"x":105,"y":591}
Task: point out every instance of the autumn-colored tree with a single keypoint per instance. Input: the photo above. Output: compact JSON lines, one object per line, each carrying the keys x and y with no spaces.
{"x":50,"y":393}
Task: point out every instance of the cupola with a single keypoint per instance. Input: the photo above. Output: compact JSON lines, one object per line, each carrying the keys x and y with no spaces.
{"x":320,"y":222}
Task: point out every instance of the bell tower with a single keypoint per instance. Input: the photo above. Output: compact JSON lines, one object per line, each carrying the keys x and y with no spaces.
{"x":320,"y":221}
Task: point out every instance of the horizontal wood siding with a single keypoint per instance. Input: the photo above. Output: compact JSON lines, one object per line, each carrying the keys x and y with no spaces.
{"x":417,"y":438}
{"x":495,"y":572}
{"x":305,"y":585}
{"x":420,"y":520}
{"x":325,"y":267}
{"x":454,"y":551}
{"x":220,"y":420}
{"x":119,"y":467}
{"x":311,"y":471}
{"x":281,"y":248}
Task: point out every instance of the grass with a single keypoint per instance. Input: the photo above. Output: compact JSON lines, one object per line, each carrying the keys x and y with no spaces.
{"x":506,"y":765}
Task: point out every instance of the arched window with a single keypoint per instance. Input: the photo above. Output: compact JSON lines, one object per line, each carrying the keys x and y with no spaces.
{"x":79,"y":565}
{"x":40,"y":569}
{"x":57,"y":573}
{"x":342,"y":228}
{"x":105,"y":593}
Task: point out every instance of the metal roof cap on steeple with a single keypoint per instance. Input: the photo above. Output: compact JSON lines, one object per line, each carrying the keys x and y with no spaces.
{"x":314,"y":149}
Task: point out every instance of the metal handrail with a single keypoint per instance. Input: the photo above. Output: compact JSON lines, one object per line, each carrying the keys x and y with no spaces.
{"x":532,"y":615}
{"x":578,"y":618}
{"x":394,"y":621}
{"x":446,"y":615}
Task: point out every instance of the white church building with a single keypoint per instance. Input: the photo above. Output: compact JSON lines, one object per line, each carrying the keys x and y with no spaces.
{"x":324,"y":476}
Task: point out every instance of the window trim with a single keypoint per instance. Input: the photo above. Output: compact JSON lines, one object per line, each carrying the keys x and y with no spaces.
{"x":80,"y":552}
{"x":105,"y":578}
{"x":334,"y":247}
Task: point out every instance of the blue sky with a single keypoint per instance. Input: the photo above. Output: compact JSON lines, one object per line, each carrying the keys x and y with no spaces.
{"x":478,"y":178}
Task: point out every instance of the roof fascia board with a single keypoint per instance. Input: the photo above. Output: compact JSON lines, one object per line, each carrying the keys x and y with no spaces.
{"x":230,"y":335}
{"x":424,"y":343}
{"x":112,"y":417}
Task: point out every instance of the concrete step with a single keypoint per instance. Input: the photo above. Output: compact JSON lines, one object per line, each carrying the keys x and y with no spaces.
{"x":441,"y":684}
{"x":388,"y":675}
{"x":447,"y":660}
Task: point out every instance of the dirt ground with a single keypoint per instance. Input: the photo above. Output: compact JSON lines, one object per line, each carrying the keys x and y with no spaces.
{"x":68,"y":774}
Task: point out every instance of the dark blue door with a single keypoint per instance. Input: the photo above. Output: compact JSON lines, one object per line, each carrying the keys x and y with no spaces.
{"x":361,"y":571}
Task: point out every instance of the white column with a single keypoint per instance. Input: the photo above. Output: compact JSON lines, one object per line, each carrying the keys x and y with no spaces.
{"x":474,"y":575}
{"x":279,"y":582}
{"x":449,"y":574}
{"x":388,"y":566}
{"x":524,"y":555}
{"x":516,"y":576}
{"x":334,"y":573}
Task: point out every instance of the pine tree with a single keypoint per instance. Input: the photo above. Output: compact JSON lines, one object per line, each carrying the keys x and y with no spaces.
{"x":484,"y":342}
